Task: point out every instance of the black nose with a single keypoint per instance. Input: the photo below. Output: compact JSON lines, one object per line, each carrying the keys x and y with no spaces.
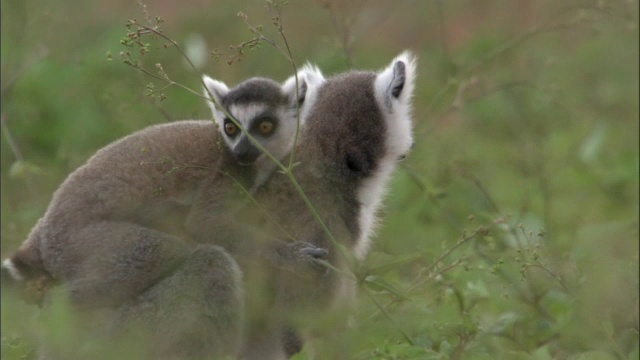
{"x":246,"y":158}
{"x":245,"y":152}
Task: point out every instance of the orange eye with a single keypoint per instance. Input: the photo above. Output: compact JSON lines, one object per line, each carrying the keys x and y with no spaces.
{"x":230,"y":128}
{"x":265,"y":127}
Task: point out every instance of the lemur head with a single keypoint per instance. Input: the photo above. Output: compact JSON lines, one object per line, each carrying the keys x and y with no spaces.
{"x":265,"y":109}
{"x":361,"y":124}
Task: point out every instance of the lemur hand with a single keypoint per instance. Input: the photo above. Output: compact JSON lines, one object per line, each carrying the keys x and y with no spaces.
{"x":299,"y":257}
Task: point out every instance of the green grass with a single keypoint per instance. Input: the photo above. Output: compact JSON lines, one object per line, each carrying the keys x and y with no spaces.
{"x":526,"y":148}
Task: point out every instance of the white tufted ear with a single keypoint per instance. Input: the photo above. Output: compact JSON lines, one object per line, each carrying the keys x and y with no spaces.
{"x":309,"y":80}
{"x":312,"y":74}
{"x":394,"y":84}
{"x":218,"y":89}
{"x":308,"y":76}
{"x":394,"y":88}
{"x":289,"y":89}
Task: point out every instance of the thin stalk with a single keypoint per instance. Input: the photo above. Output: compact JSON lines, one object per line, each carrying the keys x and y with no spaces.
{"x":211,"y":97}
{"x":257,"y":204}
{"x":295,"y":72}
{"x":12,"y":144}
{"x":417,"y":282}
{"x":552,"y":274}
{"x":538,"y":30}
{"x":388,"y":316}
{"x":285,"y":169}
{"x":289,"y":56}
{"x":318,"y":218}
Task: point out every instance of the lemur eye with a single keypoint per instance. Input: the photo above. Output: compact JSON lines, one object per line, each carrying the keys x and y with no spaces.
{"x":265,"y":127}
{"x":230,"y":128}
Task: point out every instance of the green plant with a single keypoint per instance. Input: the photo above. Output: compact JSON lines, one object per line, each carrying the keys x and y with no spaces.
{"x":529,"y":124}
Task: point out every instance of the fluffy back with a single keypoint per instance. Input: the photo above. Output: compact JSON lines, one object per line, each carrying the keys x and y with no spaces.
{"x":360,"y":126}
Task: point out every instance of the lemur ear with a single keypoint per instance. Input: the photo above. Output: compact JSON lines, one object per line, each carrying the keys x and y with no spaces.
{"x":395,"y":83}
{"x":216,"y":88}
{"x":289,"y":89}
{"x":308,"y":76}
{"x":312,"y":74}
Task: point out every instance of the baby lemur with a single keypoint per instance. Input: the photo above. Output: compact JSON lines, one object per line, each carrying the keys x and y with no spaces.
{"x":124,"y":221}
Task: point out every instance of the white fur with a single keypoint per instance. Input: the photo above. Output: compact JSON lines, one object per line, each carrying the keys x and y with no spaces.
{"x":243,"y":114}
{"x":8,"y":264}
{"x":214,"y":88}
{"x":278,"y":145}
{"x":398,"y":142}
{"x":313,"y":77}
{"x":370,"y":195}
{"x":399,"y":124}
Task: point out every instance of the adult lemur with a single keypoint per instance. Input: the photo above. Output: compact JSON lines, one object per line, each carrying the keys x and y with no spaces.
{"x":357,"y":130}
{"x":125,"y":220}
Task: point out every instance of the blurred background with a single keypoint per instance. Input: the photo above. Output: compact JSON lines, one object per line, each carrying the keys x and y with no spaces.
{"x":510,"y":232}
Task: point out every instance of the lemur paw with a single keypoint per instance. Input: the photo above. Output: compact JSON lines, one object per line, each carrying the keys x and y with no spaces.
{"x":314,"y":252}
{"x":300,"y":257}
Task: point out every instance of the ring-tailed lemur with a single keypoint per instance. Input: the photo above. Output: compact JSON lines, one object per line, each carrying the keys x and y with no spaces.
{"x":358,"y":128}
{"x":116,"y":226}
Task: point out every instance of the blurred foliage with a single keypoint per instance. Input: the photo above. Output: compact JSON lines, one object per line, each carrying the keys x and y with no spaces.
{"x":511,"y":232}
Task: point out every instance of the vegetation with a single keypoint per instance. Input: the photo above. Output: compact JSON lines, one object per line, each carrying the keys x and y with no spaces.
{"x":510,"y":232}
